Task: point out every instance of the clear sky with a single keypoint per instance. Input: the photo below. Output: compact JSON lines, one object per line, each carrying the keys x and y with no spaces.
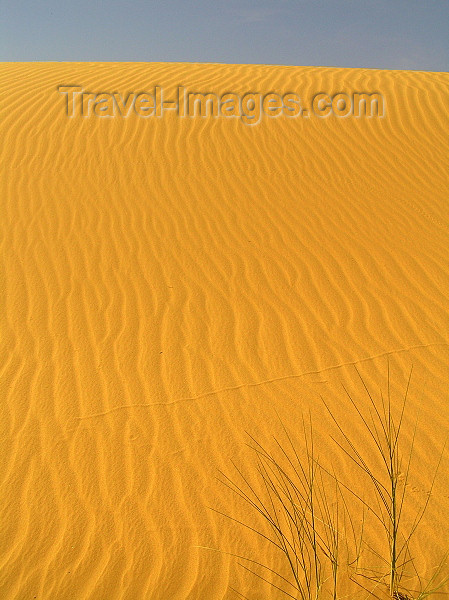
{"x":386,"y":34}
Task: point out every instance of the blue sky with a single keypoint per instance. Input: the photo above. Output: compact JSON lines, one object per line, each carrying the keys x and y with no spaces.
{"x":386,"y":34}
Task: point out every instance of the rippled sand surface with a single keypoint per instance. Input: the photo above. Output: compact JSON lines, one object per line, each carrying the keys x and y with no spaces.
{"x":168,"y":285}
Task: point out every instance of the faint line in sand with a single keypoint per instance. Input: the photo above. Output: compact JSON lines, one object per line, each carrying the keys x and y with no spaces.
{"x":257,"y":383}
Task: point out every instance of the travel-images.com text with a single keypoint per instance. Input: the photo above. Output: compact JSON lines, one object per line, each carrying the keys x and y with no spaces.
{"x":249,"y":107}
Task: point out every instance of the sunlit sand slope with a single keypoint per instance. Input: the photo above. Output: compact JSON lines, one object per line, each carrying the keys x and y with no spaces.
{"x":170,"y":283}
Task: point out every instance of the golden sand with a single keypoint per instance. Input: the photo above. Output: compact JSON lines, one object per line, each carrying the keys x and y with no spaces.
{"x":168,"y":284}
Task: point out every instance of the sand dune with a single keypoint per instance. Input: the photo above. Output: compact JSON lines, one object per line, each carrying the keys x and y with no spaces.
{"x":170,"y":283}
